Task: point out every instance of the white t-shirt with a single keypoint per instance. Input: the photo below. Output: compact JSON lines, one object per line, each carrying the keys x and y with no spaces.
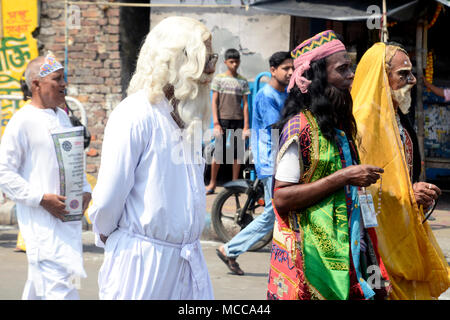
{"x":289,"y":169}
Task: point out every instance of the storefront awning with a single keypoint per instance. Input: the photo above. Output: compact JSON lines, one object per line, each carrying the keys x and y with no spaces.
{"x":351,"y":10}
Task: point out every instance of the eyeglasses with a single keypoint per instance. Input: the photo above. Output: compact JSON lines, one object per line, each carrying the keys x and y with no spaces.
{"x":211,"y":60}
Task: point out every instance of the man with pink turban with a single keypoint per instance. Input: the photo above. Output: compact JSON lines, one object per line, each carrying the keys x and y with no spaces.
{"x":322,"y":247}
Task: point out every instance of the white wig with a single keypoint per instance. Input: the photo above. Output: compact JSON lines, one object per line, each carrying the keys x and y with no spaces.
{"x":173,"y":53}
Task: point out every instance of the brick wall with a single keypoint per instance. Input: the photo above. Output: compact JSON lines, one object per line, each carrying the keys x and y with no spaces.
{"x":94,"y":68}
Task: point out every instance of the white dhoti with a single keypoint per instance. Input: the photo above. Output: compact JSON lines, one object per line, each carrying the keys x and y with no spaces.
{"x":50,"y":282}
{"x":131,"y":261}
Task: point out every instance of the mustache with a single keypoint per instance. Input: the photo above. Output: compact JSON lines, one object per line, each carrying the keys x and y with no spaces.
{"x":405,"y":89}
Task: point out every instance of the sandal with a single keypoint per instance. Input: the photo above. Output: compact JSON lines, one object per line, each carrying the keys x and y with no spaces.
{"x":210,"y":191}
{"x":234,"y":267}
{"x":231,"y":264}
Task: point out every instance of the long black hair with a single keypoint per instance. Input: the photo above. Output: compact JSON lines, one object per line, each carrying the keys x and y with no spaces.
{"x":331,"y":106}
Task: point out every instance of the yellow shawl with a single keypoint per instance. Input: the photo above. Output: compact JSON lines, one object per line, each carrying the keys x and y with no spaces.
{"x":414,"y":261}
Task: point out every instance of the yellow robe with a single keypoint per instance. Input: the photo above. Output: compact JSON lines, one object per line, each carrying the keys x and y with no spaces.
{"x":414,"y":261}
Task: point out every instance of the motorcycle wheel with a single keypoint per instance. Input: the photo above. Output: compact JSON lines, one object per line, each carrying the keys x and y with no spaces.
{"x":225,"y":208}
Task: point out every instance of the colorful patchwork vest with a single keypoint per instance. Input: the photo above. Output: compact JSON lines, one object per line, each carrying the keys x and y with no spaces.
{"x":311,"y":250}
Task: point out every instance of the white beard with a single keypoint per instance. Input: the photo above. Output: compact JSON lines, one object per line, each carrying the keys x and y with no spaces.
{"x":403,"y":97}
{"x":196,"y":113}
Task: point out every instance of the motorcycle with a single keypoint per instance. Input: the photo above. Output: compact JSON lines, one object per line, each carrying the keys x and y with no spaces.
{"x":237,"y":205}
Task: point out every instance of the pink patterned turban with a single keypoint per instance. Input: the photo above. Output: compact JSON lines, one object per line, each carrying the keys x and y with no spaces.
{"x":318,"y":47}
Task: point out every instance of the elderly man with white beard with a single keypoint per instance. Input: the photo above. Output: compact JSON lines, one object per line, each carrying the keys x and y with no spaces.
{"x":149,"y":207}
{"x":381,"y":100}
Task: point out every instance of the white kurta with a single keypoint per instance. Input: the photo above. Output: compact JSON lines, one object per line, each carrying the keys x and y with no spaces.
{"x":28,"y":170}
{"x":151,"y":205}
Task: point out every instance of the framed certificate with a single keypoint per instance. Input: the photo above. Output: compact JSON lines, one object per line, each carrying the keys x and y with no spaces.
{"x":69,"y":147}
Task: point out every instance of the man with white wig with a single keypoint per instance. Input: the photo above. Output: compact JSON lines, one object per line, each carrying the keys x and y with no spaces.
{"x":149,"y":202}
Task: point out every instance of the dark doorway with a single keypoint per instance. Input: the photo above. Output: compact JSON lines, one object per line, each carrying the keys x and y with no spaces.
{"x":134,"y":26}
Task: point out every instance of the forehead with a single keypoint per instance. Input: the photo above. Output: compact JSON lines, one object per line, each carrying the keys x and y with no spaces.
{"x":286,"y":63}
{"x":54,"y":74}
{"x":400,"y":60}
{"x":338,"y":58}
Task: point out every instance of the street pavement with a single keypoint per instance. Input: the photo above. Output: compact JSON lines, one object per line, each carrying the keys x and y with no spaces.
{"x":251,"y":286}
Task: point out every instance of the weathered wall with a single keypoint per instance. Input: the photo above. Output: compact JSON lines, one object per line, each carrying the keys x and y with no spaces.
{"x":437,"y":126}
{"x":257,"y":36}
{"x":94,"y":68}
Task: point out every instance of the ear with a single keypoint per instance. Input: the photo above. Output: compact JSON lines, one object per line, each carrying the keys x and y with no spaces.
{"x":35,"y":84}
{"x":272,"y":70}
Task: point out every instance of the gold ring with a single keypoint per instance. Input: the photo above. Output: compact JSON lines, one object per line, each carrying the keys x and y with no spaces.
{"x":429,"y":186}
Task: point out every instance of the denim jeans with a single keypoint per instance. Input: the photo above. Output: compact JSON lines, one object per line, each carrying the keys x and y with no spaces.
{"x":257,"y":229}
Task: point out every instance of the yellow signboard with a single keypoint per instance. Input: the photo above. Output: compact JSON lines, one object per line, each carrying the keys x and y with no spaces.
{"x":17,"y":48}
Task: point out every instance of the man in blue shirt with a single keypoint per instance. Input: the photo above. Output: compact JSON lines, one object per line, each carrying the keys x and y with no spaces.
{"x":269,"y":102}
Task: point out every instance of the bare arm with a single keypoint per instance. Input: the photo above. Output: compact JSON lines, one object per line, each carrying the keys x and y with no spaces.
{"x":290,"y":196}
{"x":436,"y":90}
{"x":215,"y":113}
{"x":246,"y":131}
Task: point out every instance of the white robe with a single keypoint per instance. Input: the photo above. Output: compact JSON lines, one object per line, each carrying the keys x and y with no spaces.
{"x":28,"y":170}
{"x":151,"y":205}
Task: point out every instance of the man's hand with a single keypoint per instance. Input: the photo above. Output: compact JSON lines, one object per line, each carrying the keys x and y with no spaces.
{"x":425,"y":193}
{"x":54,"y":204}
{"x":245,"y":133}
{"x":217,"y":131}
{"x":103,"y":238}
{"x":86,"y":200}
{"x":362,"y":175}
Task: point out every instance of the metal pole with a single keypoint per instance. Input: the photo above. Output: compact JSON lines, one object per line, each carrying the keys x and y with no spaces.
{"x":419,"y":110}
{"x":66,"y":41}
{"x":425,"y":44}
{"x":384,"y":32}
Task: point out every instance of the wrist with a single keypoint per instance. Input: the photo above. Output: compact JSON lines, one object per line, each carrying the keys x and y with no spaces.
{"x":43,"y":199}
{"x":341,"y":178}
